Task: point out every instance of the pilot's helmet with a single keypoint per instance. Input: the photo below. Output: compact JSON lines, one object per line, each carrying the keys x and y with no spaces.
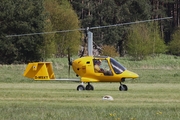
{"x":97,"y":61}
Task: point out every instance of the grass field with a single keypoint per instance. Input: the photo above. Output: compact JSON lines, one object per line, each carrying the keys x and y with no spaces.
{"x":153,"y":96}
{"x":50,"y":101}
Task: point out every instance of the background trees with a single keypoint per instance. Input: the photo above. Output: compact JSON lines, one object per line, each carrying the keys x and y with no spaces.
{"x":174,"y":45}
{"x":108,"y":12}
{"x":62,"y":17}
{"x":144,"y":39}
{"x":23,"y":16}
{"x":20,"y":17}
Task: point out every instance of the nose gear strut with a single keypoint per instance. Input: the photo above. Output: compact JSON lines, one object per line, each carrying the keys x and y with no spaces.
{"x":123,"y":87}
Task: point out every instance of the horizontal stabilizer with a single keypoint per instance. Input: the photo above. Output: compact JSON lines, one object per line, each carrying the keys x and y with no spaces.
{"x":39,"y":71}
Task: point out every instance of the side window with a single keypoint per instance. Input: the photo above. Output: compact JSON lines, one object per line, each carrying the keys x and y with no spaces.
{"x":97,"y":66}
{"x":101,"y":66}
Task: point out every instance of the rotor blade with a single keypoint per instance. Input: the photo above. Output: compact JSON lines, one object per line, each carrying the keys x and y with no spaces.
{"x":129,"y":23}
{"x":40,"y":33}
{"x":82,"y":29}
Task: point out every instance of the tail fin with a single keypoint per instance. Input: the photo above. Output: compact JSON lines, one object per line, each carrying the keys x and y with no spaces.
{"x":39,"y":71}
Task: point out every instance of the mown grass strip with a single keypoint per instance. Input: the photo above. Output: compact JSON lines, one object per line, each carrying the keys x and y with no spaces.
{"x":62,"y":101}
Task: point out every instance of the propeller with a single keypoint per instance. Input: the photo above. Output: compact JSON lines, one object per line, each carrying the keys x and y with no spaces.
{"x":69,"y":61}
{"x":85,"y":42}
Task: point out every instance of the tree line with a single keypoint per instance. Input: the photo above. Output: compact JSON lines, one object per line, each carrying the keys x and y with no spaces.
{"x":109,"y":12}
{"x":18,"y":17}
{"x":31,"y":16}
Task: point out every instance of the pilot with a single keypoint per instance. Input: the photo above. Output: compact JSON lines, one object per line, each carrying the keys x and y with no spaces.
{"x":97,"y":64}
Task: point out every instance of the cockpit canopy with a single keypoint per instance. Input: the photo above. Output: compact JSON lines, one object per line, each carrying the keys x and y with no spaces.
{"x":117,"y":67}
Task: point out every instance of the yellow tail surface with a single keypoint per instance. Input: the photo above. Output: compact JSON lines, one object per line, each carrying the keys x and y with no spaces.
{"x":39,"y":71}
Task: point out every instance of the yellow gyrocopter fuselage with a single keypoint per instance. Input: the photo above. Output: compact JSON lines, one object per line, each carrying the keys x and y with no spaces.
{"x":113,"y":71}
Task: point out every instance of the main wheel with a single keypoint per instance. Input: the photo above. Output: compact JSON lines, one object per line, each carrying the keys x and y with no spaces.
{"x":80,"y":88}
{"x":123,"y":87}
{"x":89,"y":87}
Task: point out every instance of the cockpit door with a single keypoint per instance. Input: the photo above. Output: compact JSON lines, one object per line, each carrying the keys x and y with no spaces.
{"x":102,"y":66}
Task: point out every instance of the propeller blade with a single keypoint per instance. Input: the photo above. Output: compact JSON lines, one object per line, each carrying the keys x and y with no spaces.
{"x":85,"y":42}
{"x":82,"y":53}
{"x":69,"y":61}
{"x":69,"y":71}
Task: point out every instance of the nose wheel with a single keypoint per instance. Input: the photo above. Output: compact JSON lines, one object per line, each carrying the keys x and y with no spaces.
{"x":123,"y":87}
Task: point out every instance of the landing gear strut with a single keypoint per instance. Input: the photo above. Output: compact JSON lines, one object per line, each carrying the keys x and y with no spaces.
{"x":123,"y":87}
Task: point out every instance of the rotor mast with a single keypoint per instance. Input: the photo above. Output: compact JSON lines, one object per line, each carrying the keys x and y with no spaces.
{"x":90,"y":42}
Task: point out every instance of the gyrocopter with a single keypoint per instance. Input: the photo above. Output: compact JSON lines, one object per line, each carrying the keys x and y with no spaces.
{"x":88,"y":68}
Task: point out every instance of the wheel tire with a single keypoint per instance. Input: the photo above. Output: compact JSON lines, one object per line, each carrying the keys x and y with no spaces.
{"x":123,"y":87}
{"x":89,"y":87}
{"x":80,"y":88}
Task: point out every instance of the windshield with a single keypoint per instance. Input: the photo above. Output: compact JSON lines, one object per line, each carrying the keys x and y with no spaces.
{"x":117,"y":67}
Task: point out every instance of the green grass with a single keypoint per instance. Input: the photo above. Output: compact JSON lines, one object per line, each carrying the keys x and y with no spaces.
{"x":153,"y":96}
{"x":61,"y":101}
